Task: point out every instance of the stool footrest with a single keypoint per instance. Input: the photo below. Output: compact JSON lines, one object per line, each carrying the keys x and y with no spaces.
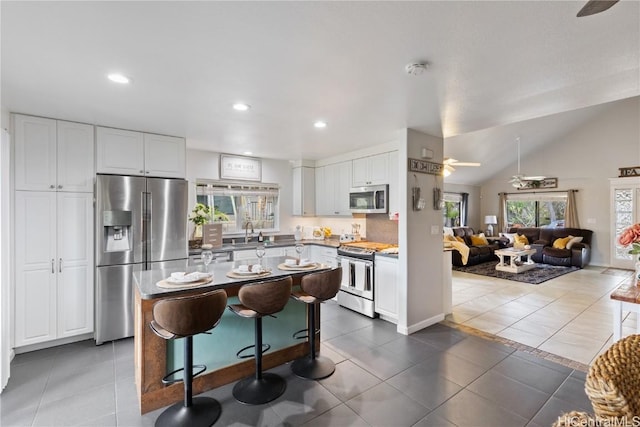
{"x":296,"y":335}
{"x":168,"y":380}
{"x":265,"y":348}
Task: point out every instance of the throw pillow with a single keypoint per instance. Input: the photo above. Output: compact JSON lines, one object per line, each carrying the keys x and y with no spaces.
{"x":520,"y":241}
{"x":479,"y":240}
{"x":574,"y":240}
{"x":562,"y":242}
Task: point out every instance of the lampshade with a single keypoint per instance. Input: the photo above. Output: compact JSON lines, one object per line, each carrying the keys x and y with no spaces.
{"x":490,"y":219}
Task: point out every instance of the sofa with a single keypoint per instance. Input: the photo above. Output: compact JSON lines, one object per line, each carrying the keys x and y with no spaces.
{"x":477,"y":253}
{"x":542,"y":240}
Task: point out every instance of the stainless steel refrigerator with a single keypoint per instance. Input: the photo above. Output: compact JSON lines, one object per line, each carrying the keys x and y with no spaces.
{"x":141,"y":224}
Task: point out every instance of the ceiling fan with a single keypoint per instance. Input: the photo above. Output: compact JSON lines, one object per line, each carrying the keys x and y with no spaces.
{"x":596,"y":6}
{"x":449,"y":164}
{"x":519,"y":180}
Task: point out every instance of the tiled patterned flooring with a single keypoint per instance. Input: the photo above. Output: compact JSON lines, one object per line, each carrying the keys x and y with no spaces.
{"x":439,"y":376}
{"x":570,"y":316}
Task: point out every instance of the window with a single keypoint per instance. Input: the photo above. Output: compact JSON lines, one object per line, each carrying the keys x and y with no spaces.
{"x":536,"y":210}
{"x":237,"y":205}
{"x":452,"y":209}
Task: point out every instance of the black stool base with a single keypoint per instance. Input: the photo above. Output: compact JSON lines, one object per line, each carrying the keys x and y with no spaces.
{"x":256,"y":392}
{"x":204,"y":412}
{"x":313,"y":369}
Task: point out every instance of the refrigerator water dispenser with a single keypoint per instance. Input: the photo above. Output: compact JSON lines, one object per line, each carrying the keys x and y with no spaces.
{"x":117,"y":231}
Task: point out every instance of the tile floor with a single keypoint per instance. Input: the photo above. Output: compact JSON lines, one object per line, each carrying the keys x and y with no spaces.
{"x":439,"y":376}
{"x":570,"y":316}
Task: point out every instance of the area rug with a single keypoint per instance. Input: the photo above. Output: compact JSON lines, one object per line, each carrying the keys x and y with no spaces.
{"x":541,"y":272}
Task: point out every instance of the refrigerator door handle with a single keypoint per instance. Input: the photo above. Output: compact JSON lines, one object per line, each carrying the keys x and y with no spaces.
{"x":146,"y":226}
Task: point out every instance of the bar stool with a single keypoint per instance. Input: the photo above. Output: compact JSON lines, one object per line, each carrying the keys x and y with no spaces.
{"x":314,"y":289}
{"x":256,"y":301}
{"x":184,"y":317}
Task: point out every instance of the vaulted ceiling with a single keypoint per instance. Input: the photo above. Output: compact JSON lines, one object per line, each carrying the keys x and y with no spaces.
{"x":494,"y":68}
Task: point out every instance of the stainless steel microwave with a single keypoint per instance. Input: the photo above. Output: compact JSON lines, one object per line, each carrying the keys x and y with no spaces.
{"x":369,"y":199}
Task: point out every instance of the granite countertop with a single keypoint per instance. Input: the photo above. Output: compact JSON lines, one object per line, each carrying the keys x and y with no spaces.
{"x":145,"y":281}
{"x":382,"y":254}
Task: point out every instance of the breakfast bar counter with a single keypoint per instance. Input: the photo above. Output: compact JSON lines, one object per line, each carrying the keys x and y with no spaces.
{"x":155,"y":357}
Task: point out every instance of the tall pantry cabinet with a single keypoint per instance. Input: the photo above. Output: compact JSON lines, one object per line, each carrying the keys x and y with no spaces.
{"x":54,"y":173}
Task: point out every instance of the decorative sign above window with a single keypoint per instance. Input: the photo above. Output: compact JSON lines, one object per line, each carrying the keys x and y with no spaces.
{"x":543,"y":183}
{"x":627,"y":172}
{"x":423,"y":166}
{"x":238,"y":167}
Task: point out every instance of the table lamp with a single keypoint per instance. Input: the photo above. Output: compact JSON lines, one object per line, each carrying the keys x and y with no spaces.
{"x":490,"y":220}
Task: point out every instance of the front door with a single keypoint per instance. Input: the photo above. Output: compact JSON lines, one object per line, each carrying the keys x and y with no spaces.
{"x":625,"y":211}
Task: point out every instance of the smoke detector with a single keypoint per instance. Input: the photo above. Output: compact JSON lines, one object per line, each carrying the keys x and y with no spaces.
{"x":416,"y":68}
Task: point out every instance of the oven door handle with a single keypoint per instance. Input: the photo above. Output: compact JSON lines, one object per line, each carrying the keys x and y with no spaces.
{"x":367,"y":277}
{"x":352,"y":275}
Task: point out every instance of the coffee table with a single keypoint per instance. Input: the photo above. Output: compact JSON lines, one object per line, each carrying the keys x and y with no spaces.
{"x":516,"y":264}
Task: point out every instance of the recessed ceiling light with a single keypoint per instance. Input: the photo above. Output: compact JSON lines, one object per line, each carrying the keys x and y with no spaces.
{"x":247,"y":153}
{"x":119,"y":78}
{"x":320,"y":124}
{"x":239,"y":106}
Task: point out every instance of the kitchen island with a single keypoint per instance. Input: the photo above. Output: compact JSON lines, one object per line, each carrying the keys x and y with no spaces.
{"x":154,"y":356}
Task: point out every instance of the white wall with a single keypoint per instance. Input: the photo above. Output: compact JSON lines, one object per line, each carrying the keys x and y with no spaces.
{"x":6,"y":240}
{"x":420,"y":259}
{"x":4,"y":118}
{"x":583,"y":159}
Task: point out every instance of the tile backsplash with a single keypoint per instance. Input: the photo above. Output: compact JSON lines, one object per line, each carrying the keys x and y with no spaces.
{"x":381,"y":229}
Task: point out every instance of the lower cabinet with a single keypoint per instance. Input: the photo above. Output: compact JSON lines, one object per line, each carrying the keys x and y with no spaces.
{"x":54,"y":266}
{"x":247,"y":254}
{"x":324,"y":254}
{"x":386,"y":288}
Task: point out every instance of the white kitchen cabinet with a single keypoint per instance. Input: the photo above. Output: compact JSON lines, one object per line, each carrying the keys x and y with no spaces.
{"x":53,"y":155}
{"x":127,"y":152}
{"x":247,"y":254}
{"x":165,"y":156}
{"x":371,"y":170}
{"x":333,"y":183}
{"x":386,"y":288}
{"x":304,"y":199}
{"x":54,"y":266}
{"x":290,"y":251}
{"x":324,"y":254}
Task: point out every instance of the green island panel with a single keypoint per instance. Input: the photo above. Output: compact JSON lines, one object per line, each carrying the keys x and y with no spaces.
{"x":234,"y":332}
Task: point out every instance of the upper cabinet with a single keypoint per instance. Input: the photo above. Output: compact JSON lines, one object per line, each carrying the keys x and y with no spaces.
{"x":333,"y":183}
{"x":304,"y":200}
{"x":371,"y":170}
{"x":165,"y":156}
{"x":127,"y":152}
{"x":53,"y":155}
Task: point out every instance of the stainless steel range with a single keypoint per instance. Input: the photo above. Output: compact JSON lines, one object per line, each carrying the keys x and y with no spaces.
{"x":356,"y":290}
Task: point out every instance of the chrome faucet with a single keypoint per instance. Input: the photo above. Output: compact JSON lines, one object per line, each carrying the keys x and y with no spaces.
{"x":246,"y":231}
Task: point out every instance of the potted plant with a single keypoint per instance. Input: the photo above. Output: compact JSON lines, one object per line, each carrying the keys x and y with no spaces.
{"x":200,"y":215}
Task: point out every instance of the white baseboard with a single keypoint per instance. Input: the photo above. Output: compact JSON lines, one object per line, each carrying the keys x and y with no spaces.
{"x":421,"y":325}
{"x":54,"y":343}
